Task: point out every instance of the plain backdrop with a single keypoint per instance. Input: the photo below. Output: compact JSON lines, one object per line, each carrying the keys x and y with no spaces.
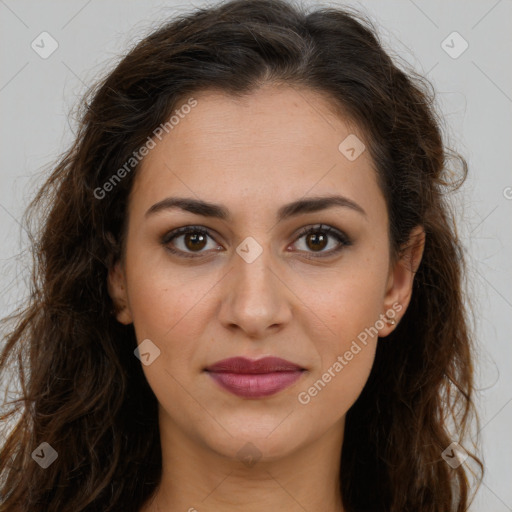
{"x":474,"y":94}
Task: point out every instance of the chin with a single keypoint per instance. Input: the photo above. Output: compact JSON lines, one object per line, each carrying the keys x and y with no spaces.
{"x":265,"y":440}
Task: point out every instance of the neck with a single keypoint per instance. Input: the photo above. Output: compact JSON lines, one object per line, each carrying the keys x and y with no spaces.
{"x":197,"y":479}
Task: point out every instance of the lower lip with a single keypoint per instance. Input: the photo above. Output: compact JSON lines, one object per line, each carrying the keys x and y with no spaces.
{"x":255,"y":385}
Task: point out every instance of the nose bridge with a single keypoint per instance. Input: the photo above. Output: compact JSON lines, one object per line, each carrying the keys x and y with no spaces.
{"x":253,"y":267}
{"x":255,"y":299}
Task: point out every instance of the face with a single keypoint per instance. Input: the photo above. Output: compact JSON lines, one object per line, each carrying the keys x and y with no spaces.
{"x":268,"y":268}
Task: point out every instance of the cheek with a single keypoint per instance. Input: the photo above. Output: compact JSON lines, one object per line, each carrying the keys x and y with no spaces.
{"x":345,"y":352}
{"x":344,"y":301}
{"x":331,"y":392}
{"x":346,"y":305}
{"x":167,"y":307}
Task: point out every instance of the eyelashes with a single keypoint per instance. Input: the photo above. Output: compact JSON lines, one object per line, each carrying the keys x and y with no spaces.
{"x":326,"y":232}
{"x":180,"y":232}
{"x":202,"y":235}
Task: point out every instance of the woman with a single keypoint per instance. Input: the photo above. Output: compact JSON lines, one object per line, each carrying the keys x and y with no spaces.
{"x":248,"y":287}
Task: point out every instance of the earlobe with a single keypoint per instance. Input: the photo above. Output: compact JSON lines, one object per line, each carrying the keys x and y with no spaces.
{"x":116,"y":284}
{"x":401,"y":279}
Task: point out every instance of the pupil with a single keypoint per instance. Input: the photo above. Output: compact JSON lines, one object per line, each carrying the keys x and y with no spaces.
{"x":316,"y":239}
{"x":193,"y":241}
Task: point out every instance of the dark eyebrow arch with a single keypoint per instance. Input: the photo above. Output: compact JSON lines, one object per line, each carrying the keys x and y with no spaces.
{"x":301,"y":206}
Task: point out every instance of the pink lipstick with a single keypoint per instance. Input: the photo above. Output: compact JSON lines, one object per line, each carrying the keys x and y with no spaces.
{"x":254,"y":378}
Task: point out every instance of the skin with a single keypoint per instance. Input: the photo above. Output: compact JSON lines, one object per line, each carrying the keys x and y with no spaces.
{"x":253,"y":155}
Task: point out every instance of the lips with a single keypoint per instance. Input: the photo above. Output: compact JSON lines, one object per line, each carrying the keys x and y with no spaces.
{"x":254,"y":378}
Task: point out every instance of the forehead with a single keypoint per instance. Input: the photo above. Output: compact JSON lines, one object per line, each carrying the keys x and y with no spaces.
{"x":278,"y":141}
{"x":278,"y":117}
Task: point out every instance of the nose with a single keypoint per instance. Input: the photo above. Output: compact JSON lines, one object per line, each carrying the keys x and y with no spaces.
{"x":256,"y":299}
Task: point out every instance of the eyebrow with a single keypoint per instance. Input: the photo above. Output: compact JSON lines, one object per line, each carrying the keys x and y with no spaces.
{"x":301,"y":206}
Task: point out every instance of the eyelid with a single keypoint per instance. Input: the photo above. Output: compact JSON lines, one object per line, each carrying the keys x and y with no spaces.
{"x":170,"y":235}
{"x":330,"y":230}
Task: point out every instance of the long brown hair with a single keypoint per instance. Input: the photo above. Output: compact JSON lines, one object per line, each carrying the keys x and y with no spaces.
{"x":84,"y":392}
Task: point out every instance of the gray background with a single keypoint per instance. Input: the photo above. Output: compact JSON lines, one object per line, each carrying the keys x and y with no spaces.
{"x":474,"y":95}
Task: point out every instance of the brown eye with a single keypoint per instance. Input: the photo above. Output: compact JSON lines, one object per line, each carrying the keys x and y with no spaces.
{"x":317,"y":238}
{"x":189,"y":240}
{"x":316,"y":241}
{"x":194,"y":241}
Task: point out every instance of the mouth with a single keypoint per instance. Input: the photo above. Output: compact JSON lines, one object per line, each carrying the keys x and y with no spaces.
{"x":254,"y":378}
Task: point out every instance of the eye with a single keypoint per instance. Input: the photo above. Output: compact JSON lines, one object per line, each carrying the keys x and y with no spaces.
{"x":317,"y":238}
{"x":188,"y":240}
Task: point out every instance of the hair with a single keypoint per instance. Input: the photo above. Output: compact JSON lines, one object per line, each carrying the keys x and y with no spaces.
{"x":82,"y":389}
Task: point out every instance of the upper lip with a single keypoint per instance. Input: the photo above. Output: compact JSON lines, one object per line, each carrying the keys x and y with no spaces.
{"x":244,"y":365}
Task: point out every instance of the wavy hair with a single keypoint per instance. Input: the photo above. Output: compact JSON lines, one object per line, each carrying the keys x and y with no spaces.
{"x":82,"y":389}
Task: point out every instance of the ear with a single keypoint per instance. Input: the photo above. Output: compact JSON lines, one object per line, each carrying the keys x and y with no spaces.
{"x":117,"y":291}
{"x":401,"y":277}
